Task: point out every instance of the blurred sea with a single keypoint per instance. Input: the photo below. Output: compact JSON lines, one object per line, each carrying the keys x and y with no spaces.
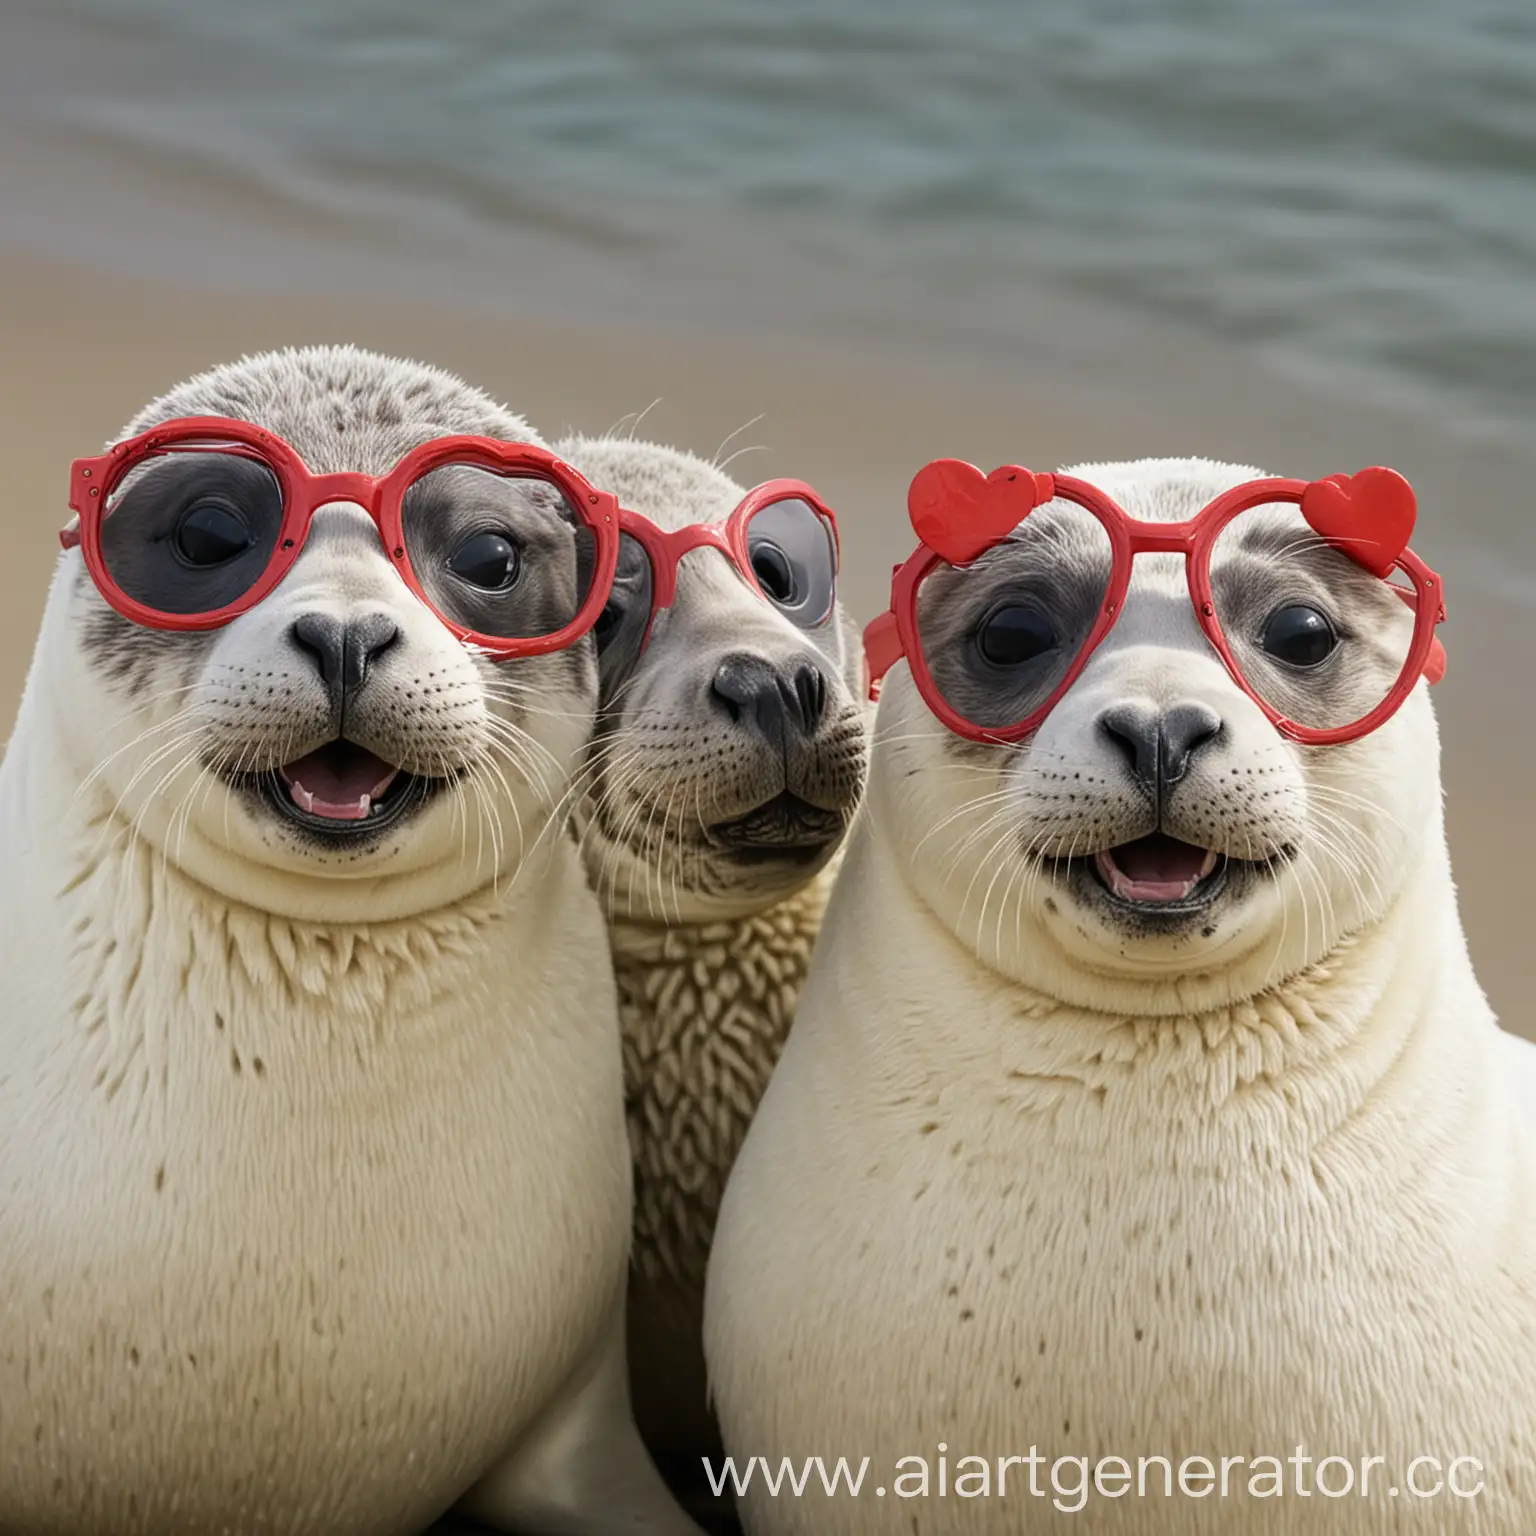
{"x":1345,"y":188}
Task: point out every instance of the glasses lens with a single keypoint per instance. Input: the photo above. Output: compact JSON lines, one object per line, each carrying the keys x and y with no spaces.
{"x":503,"y":554}
{"x":621,"y":626}
{"x":191,"y":530}
{"x":794,"y":560}
{"x":1315,"y":636}
{"x":1000,"y":635}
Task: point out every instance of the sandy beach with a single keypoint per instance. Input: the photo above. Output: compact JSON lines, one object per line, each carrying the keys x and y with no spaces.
{"x":83,"y":349}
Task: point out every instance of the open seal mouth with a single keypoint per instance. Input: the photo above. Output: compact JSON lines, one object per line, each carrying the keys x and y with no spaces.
{"x":343,"y":790}
{"x":785,"y":827}
{"x":1161,"y":873}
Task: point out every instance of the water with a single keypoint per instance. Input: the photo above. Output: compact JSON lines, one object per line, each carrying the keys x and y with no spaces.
{"x":1345,"y":188}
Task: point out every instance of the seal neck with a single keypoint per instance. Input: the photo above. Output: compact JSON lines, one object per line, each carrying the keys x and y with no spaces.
{"x":644,"y":938}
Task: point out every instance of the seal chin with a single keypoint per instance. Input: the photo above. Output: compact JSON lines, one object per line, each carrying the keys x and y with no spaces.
{"x":340,"y":793}
{"x":783,"y":830}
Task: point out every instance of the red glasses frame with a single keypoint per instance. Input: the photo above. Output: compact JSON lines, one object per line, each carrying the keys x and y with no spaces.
{"x":959,"y":514}
{"x":92,"y":481}
{"x":665,"y":550}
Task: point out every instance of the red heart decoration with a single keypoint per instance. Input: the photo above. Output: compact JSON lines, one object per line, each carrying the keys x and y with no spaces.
{"x":958,"y":512}
{"x":1369,"y":516}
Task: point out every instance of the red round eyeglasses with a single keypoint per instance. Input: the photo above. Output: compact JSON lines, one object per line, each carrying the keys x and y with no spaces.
{"x":196,"y":549}
{"x":1009,"y":539}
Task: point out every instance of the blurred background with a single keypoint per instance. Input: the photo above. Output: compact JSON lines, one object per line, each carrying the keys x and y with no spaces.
{"x":839,"y":237}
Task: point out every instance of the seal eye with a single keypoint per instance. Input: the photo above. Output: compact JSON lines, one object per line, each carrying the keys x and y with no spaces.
{"x":775,"y":575}
{"x":487,"y":560}
{"x":211,"y":533}
{"x":1013,"y":634}
{"x":1299,"y":636}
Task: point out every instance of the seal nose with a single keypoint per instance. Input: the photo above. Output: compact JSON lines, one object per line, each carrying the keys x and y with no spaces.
{"x":776,"y":700}
{"x":1159,"y":743}
{"x":343,"y":650}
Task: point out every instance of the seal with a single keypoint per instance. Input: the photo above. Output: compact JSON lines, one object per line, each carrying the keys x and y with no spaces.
{"x":316,"y":1195}
{"x":728,"y":762}
{"x":1142,"y":1101}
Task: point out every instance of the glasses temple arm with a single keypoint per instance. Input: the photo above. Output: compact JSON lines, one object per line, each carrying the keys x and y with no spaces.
{"x":69,"y":538}
{"x":882,"y":649}
{"x":1435,"y":662}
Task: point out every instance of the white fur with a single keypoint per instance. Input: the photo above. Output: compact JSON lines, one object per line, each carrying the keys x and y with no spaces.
{"x":1025,"y":1180}
{"x":314,"y":1189}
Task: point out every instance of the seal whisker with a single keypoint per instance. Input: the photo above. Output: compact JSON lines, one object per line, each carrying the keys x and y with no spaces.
{"x":190,"y":734}
{"x":730,"y":437}
{"x":182,"y":721}
{"x":639,"y":417}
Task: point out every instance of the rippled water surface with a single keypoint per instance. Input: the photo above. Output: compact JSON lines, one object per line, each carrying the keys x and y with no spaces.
{"x":1348,"y":186}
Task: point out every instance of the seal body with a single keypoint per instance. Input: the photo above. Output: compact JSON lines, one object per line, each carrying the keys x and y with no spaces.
{"x":1064,"y":1180}
{"x":271,"y":1189}
{"x":314,"y":1182}
{"x":705,"y":1010}
{"x":711,"y":823}
{"x":999,"y":1224}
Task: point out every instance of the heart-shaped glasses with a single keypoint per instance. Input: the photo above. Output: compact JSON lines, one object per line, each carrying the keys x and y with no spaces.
{"x":191,"y":524}
{"x":1307,"y":591}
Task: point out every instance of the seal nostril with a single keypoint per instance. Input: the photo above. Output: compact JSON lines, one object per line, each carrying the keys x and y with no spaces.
{"x":810,"y":694}
{"x":367,"y":639}
{"x":1132,"y":729}
{"x":322,"y":636}
{"x":1184,"y":729}
{"x":754,"y":692}
{"x":735,"y":685}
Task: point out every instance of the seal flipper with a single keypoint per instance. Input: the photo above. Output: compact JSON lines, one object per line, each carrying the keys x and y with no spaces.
{"x":583,"y":1469}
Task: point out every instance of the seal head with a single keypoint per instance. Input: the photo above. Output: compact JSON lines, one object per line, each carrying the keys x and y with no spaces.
{"x":1156,"y":822}
{"x":338,"y":728}
{"x":729,"y":755}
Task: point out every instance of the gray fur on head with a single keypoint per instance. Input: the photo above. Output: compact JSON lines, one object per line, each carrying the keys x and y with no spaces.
{"x":683,"y":814}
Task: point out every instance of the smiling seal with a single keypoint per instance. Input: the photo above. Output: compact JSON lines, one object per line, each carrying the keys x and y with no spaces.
{"x":1142,"y":1101}
{"x":315,"y":1199}
{"x":728,"y":762}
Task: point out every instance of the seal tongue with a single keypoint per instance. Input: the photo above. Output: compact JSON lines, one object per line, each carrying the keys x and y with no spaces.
{"x":1155,"y":868}
{"x":340,"y":781}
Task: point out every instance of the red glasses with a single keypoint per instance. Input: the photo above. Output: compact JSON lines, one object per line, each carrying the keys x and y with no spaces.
{"x":781,"y":537}
{"x":1325,"y":620}
{"x":193,"y":523}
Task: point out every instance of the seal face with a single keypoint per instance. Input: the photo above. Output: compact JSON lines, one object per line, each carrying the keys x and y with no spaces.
{"x":730,"y":749}
{"x":1129,"y":1052}
{"x":338,"y":726}
{"x":316,"y":1201}
{"x":1156,"y":816}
